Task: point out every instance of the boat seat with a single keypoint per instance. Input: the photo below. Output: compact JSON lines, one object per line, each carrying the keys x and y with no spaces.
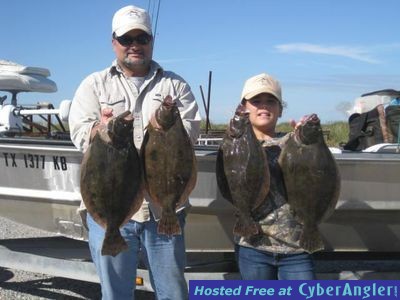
{"x":65,"y":106}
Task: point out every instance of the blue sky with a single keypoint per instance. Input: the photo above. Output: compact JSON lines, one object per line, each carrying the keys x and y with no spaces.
{"x":324,"y":53}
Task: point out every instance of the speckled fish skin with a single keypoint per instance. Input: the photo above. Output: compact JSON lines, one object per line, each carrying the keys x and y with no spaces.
{"x":111,"y":180}
{"x":242,"y":172}
{"x":312,"y":179}
{"x":169,"y":164}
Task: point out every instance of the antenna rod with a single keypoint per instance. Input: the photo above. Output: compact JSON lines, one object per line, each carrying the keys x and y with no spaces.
{"x":204,"y":100}
{"x":208,"y":102}
{"x":205,"y":106}
{"x":155,"y":27}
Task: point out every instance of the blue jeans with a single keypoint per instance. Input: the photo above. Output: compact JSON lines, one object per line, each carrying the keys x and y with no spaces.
{"x":262,"y":265}
{"x":166,"y":260}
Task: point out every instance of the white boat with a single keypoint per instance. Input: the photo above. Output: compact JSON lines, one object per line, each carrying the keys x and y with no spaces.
{"x":39,"y":186}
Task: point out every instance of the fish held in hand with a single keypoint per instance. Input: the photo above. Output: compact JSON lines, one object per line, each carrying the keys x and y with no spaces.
{"x":111,"y":180}
{"x":242,"y":172}
{"x":169,"y":164}
{"x":312,"y":179}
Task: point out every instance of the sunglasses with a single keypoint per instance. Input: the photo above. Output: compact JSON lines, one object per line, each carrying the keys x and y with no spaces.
{"x":126,"y":40}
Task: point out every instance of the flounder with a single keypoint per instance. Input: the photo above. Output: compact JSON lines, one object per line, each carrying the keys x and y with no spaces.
{"x":312,"y":179}
{"x":242,"y":172}
{"x":169,"y":164}
{"x":111,"y":180}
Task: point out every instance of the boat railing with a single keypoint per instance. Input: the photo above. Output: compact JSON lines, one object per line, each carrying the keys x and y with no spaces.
{"x":384,"y":148}
{"x":209,"y":141}
{"x":35,"y":120}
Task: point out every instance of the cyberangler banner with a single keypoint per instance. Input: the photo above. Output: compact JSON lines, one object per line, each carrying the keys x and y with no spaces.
{"x":294,"y":289}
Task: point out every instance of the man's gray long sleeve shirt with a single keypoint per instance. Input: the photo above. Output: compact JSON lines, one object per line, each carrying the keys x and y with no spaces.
{"x":111,"y":89}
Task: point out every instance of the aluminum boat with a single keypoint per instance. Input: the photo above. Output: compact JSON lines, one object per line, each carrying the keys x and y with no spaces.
{"x":39,"y":186}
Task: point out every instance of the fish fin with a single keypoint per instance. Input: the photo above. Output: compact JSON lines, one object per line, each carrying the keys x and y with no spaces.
{"x":169,"y":225}
{"x":137,"y":203}
{"x":190,"y":184}
{"x":311,"y":240}
{"x":246,"y":228}
{"x":222,"y":181}
{"x":113,"y":242}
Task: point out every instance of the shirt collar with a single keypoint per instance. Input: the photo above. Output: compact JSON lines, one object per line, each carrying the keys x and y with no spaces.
{"x":115,"y":69}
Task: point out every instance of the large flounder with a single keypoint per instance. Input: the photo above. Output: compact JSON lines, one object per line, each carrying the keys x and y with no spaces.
{"x":111,"y":180}
{"x":312,"y":179}
{"x":242,"y":172}
{"x":169,"y":164}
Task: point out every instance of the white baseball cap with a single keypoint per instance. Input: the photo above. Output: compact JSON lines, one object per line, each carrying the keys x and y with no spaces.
{"x":262,"y":83}
{"x":129,"y":18}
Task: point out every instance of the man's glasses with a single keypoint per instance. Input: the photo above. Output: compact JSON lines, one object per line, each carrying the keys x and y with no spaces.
{"x":126,"y":40}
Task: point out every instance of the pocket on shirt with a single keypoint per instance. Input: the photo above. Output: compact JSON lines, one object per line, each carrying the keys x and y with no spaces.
{"x":158,"y":98}
{"x":118,"y":106}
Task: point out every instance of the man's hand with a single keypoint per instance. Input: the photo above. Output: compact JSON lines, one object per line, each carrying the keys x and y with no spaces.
{"x":106,"y":115}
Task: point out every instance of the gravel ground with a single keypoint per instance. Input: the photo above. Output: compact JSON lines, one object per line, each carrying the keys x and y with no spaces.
{"x":16,"y":284}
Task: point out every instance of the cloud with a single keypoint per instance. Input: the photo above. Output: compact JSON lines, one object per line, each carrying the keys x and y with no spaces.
{"x":174,"y":60}
{"x":361,"y":54}
{"x":355,"y":83}
{"x":208,"y":59}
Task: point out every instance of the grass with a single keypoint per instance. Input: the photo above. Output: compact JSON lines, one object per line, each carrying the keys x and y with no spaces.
{"x":335,"y":133}
{"x":338,"y":133}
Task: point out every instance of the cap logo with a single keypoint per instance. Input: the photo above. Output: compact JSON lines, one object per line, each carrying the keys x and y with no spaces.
{"x":263,"y":81}
{"x":134,"y":13}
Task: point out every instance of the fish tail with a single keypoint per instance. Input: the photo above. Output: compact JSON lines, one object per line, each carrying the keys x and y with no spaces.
{"x":113,"y":242}
{"x":245,"y":227}
{"x":311,"y":240}
{"x":169,"y":225}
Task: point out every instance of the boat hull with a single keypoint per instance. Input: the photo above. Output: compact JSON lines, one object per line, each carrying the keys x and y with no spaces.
{"x":39,"y":187}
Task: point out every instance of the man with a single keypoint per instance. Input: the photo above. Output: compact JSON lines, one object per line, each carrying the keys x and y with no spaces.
{"x":137,"y":83}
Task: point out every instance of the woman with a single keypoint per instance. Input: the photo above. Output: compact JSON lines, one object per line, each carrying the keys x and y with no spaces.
{"x":275,"y":253}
